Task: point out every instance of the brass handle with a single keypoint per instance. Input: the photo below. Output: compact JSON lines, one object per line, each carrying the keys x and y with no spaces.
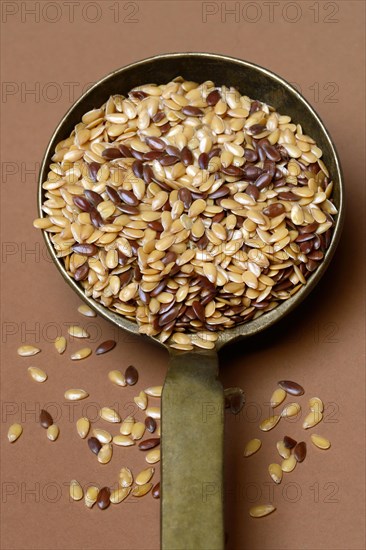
{"x":192,"y":454}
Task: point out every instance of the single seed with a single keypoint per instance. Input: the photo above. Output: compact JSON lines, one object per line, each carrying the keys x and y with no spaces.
{"x":123,"y":440}
{"x":278,"y":396}
{"x":141,"y":400}
{"x":131,"y":375}
{"x":269,"y":423}
{"x":252,"y":447}
{"x":289,"y":464}
{"x":290,"y":410}
{"x":106,"y":346}
{"x":27,"y":351}
{"x":94,"y":445}
{"x":141,"y":490}
{"x":316,"y":404}
{"x":126,"y":426}
{"x":109,"y":415}
{"x":289,"y":442}
{"x":275,"y":471}
{"x":291,"y":387}
{"x":138,"y":430}
{"x":119,"y":494}
{"x":102,"y":436}
{"x":45,"y":419}
{"x":81,"y":354}
{"x":60,"y":344}
{"x":320,"y":441}
{"x":150,"y":424}
{"x":148,"y":444}
{"x":14,"y":432}
{"x":283,"y":451}
{"x":38,"y":375}
{"x":76,"y":490}
{"x":103,"y":498}
{"x":83,"y":426}
{"x":261,"y":510}
{"x":125,"y":477}
{"x":153,"y":456}
{"x":91,"y":495}
{"x":144,"y":476}
{"x":300,"y":451}
{"x":117,"y":378}
{"x":156,"y":490}
{"x":86,"y":311}
{"x":53,"y":432}
{"x":75,"y":394}
{"x":154,"y":391}
{"x":105,"y":453}
{"x":154,"y":412}
{"x":312,"y":419}
{"x":77,"y":332}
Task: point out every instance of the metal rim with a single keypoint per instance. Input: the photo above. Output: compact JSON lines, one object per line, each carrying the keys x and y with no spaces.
{"x":266,"y":320}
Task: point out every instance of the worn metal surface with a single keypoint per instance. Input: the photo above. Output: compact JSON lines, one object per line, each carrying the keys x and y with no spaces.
{"x":258,"y":83}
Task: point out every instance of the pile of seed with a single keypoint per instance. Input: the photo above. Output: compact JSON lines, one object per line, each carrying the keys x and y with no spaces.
{"x":291,"y":451}
{"x":101,"y":442}
{"x":188,"y":208}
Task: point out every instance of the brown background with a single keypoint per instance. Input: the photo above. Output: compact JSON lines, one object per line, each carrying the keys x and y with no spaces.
{"x":321,"y":504}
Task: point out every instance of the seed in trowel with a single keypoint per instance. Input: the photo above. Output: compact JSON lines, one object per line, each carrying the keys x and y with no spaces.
{"x":275,"y":471}
{"x":14,"y":432}
{"x":269,"y":423}
{"x":261,"y":510}
{"x":278,"y":396}
{"x":300,"y":451}
{"x":45,"y":419}
{"x":293,"y":388}
{"x":106,"y":346}
{"x":252,"y":447}
{"x":320,"y":441}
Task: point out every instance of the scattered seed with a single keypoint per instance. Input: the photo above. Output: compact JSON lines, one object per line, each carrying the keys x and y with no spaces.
{"x":86,"y":311}
{"x":102,"y":435}
{"x":94,"y":445}
{"x":75,"y":395}
{"x":154,"y":391}
{"x":116,"y":377}
{"x":138,"y":430}
{"x":261,"y":510}
{"x":83,"y":426}
{"x":300,"y":451}
{"x":78,"y":332}
{"x":288,"y":442}
{"x":278,"y":396}
{"x":127,"y":425}
{"x":290,"y":410}
{"x":60,"y":344}
{"x":76,"y":491}
{"x":283,"y":451}
{"x":291,"y":387}
{"x":156,"y":490}
{"x":289,"y":464}
{"x":154,"y":412}
{"x":316,"y":404}
{"x":106,"y":346}
{"x":150,"y":424}
{"x":149,"y":443}
{"x":109,"y":415}
{"x":81,"y":354}
{"x":45,"y":419}
{"x":144,"y":476}
{"x":269,"y":423}
{"x":103,"y":498}
{"x":119,"y":494}
{"x":53,"y":432}
{"x":14,"y":432}
{"x":275,"y":471}
{"x":123,"y":440}
{"x":141,"y":490}
{"x":27,"y":351}
{"x":234,"y":399}
{"x":320,"y":441}
{"x":125,"y":477}
{"x":38,"y":375}
{"x":153,"y":456}
{"x":141,"y":400}
{"x":105,"y":453}
{"x":91,"y":496}
{"x":252,"y":447}
{"x":131,"y":375}
{"x":312,"y":419}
